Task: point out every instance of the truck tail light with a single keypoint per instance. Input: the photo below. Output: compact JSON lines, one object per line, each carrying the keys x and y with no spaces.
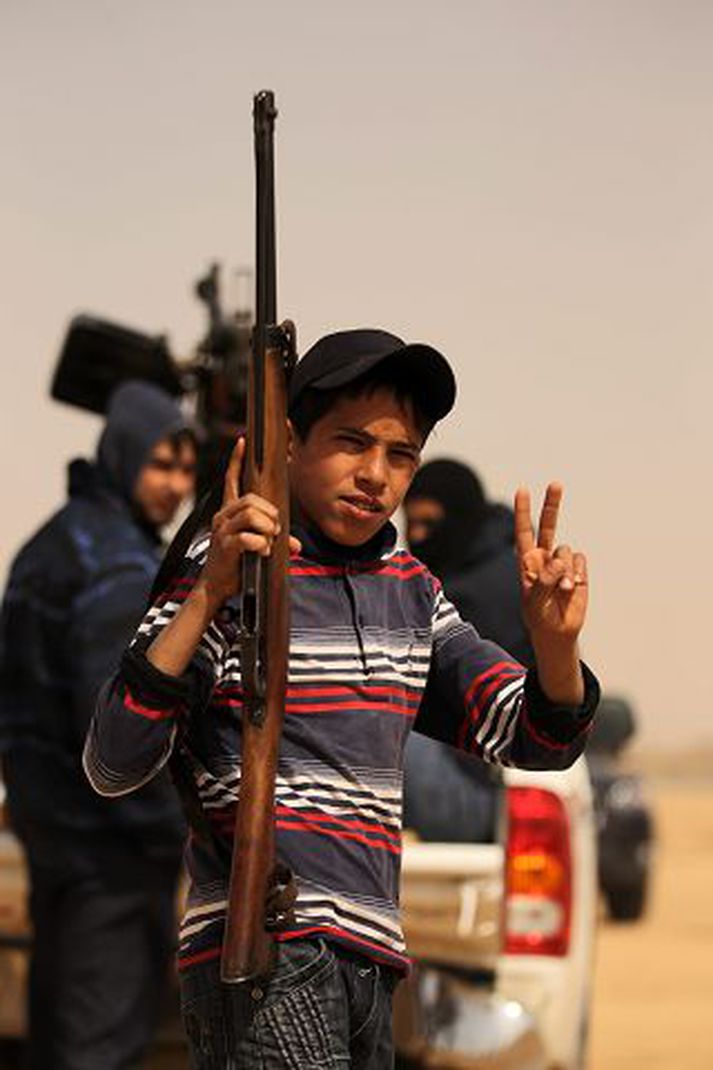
{"x":538,"y":904}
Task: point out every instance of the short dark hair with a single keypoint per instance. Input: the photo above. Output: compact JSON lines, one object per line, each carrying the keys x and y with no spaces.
{"x":312,"y":404}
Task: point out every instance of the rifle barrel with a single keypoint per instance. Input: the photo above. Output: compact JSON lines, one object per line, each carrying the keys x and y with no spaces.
{"x":264,"y":115}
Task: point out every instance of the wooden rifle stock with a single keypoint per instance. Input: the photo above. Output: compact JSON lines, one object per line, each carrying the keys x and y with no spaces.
{"x":248,"y":948}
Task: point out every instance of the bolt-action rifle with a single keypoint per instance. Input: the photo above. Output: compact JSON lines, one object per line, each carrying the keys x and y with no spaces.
{"x":248,"y":946}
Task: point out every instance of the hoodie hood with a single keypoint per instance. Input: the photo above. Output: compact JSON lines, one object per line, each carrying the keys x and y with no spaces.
{"x":139,"y":416}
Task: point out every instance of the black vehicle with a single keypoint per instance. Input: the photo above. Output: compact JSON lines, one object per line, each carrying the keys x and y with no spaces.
{"x":625,"y":822}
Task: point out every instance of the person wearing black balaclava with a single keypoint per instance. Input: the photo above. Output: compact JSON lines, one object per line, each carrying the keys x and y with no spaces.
{"x":468,"y":543}
{"x":102,"y":872}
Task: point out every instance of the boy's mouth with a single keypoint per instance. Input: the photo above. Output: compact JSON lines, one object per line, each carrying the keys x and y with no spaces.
{"x":363,"y":504}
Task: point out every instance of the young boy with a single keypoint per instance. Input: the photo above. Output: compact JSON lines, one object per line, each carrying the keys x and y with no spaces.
{"x":375,"y":651}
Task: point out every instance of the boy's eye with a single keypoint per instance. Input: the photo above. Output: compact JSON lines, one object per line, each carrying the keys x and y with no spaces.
{"x":404,"y":456}
{"x":352,"y":441}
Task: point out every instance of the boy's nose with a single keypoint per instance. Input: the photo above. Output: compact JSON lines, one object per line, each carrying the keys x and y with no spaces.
{"x":373,"y":469}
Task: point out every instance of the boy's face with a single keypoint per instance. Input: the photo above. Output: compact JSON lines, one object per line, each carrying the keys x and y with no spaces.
{"x":355,"y":466}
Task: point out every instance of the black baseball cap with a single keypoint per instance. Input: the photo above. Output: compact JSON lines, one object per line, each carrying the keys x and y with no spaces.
{"x":341,"y":358}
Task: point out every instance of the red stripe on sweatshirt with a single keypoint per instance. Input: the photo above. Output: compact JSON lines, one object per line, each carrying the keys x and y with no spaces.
{"x":177,"y":591}
{"x":475,"y":707}
{"x":348,"y":823}
{"x":479,"y":704}
{"x":362,"y":689}
{"x":377,"y":951}
{"x":365,"y":706}
{"x":498,"y":668}
{"x":291,"y":820}
{"x":149,"y":712}
{"x":348,"y":937}
{"x":379,"y":568}
{"x":315,"y":570}
{"x":337,"y":834}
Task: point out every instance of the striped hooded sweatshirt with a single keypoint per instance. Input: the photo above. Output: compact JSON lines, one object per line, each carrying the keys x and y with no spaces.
{"x":376,"y":651}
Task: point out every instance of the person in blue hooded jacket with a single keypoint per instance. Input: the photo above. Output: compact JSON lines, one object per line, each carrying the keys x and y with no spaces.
{"x":102,"y":873}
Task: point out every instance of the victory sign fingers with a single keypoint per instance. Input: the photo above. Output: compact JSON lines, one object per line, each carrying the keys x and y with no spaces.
{"x":553,"y":577}
{"x":547,"y":528}
{"x":538,"y":556}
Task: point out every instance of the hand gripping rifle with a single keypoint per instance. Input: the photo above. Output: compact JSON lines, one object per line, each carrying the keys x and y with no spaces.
{"x":248,"y":948}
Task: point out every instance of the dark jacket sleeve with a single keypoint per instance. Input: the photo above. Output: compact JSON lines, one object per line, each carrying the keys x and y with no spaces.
{"x":103,"y":621}
{"x":478,"y":698}
{"x":139,"y":708}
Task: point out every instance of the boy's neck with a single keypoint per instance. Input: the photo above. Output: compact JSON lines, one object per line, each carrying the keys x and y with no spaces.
{"x":318,"y":546}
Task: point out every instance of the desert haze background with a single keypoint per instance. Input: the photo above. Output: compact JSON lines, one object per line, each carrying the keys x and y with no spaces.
{"x":527,"y":185}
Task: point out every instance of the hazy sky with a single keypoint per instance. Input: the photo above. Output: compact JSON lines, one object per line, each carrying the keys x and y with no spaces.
{"x":526,"y":184}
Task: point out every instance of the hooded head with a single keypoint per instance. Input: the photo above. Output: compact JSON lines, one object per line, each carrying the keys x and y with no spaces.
{"x":140,"y":417}
{"x":445,"y":507}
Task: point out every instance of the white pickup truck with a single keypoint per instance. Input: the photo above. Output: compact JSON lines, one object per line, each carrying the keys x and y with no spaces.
{"x":502,"y":934}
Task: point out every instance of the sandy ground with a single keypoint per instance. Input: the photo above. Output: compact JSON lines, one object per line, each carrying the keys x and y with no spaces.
{"x":653,"y":1004}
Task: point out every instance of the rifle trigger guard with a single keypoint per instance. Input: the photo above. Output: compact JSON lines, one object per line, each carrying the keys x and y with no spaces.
{"x":281,"y":898}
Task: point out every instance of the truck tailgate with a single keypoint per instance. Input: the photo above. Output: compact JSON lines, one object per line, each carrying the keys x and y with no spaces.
{"x":451,"y":899}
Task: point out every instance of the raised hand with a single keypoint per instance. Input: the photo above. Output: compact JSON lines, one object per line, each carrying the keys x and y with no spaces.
{"x":553,"y":579}
{"x":243,"y":523}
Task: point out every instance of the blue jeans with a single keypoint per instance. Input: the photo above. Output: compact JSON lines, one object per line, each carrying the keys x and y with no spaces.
{"x":321,"y":1009}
